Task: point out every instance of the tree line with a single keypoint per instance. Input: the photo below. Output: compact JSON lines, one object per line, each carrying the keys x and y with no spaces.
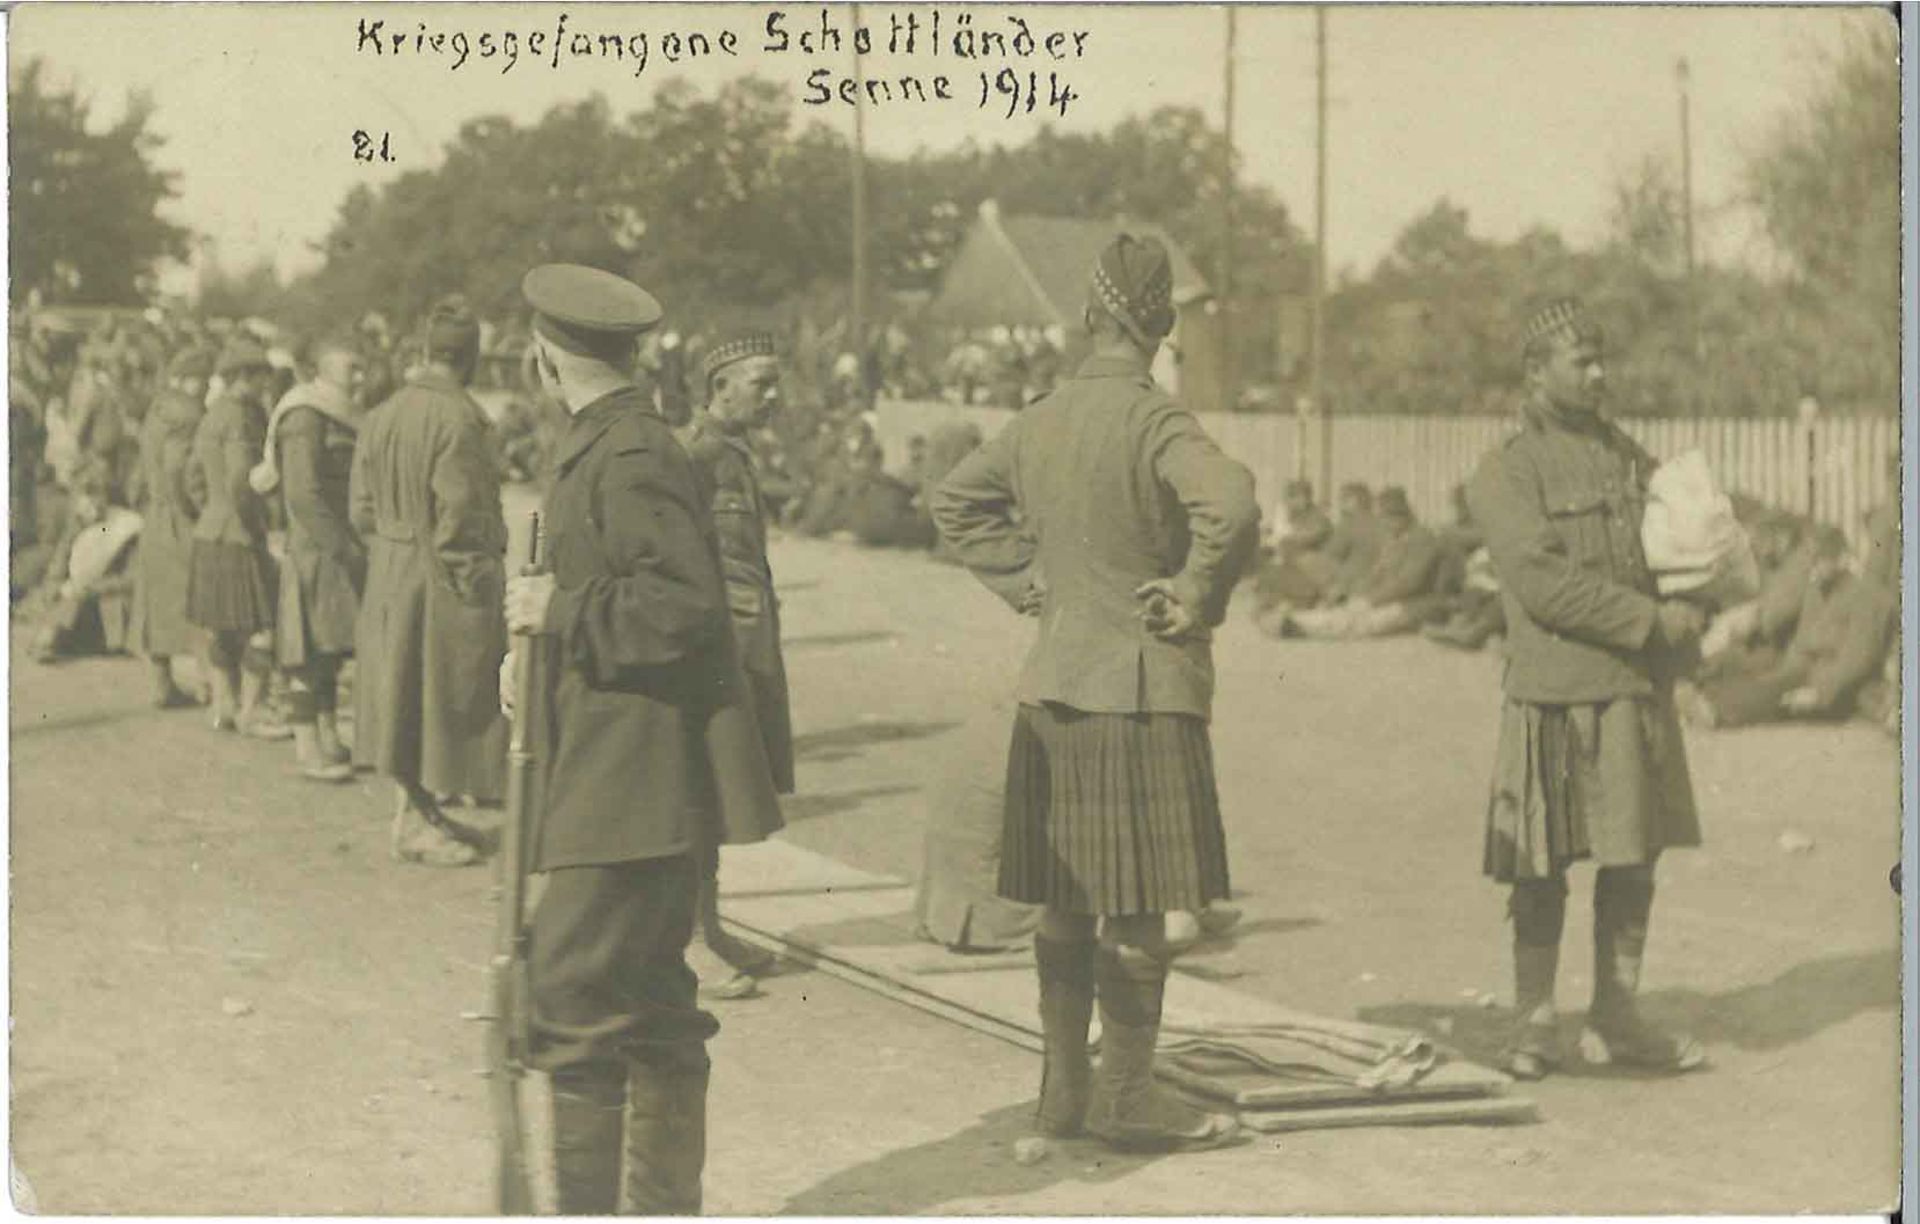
{"x":733,"y":208}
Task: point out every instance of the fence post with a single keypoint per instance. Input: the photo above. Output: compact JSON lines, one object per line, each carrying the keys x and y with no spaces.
{"x":1810,"y":446}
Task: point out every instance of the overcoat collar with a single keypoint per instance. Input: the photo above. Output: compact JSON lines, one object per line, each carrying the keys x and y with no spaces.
{"x":595,"y":419}
{"x":435,"y":380}
{"x":1102,"y":365}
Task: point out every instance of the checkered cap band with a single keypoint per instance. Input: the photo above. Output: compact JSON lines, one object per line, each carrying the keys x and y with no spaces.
{"x":1133,"y":282}
{"x":1561,"y":317}
{"x":739,"y":348}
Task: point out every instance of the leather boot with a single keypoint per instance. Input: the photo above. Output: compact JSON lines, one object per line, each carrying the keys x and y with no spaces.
{"x":327,"y":734}
{"x":222,"y":686}
{"x":257,"y":718}
{"x":1066,"y":1009}
{"x":1539,"y":912}
{"x":588,"y":1103}
{"x":420,"y":835}
{"x":666,"y":1130}
{"x":1616,"y":1032}
{"x":1128,"y":1110}
{"x":741,"y":957}
{"x":313,"y":766}
{"x":167,"y":695}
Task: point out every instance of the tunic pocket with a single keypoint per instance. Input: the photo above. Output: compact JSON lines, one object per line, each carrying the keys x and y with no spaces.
{"x":1580,"y":520}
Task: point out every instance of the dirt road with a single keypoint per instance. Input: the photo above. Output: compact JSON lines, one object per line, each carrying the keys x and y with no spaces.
{"x":227,"y":1000}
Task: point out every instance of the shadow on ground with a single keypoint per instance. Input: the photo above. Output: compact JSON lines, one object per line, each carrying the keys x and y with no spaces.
{"x":974,"y":1164}
{"x":844,"y":743}
{"x":1793,"y":1007}
{"x":797,"y":808}
{"x":827,"y":641}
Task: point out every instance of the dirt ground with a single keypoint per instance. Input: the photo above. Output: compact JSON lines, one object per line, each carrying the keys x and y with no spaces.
{"x":227,"y":1000}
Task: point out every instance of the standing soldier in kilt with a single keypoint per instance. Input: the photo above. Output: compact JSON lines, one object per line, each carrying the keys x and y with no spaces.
{"x":743,"y":393}
{"x":1590,"y":763}
{"x":646,"y":739}
{"x":424,"y":494}
{"x":1140,"y":527}
{"x":160,"y":626}
{"x":230,"y":576}
{"x":309,"y":456}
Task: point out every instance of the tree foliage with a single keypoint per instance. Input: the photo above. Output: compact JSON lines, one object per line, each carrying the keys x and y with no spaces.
{"x":726,"y":205}
{"x":84,"y":224}
{"x":1826,"y":183}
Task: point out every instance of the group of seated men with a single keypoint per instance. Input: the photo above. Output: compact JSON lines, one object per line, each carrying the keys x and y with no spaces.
{"x":1378,"y":571}
{"x":1819,"y":641}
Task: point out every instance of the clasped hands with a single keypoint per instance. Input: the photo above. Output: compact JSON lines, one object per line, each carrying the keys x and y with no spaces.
{"x":1165,"y":610}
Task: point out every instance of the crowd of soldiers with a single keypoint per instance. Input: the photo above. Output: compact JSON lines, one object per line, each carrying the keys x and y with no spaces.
{"x":1818,"y":641}
{"x":283,"y":528}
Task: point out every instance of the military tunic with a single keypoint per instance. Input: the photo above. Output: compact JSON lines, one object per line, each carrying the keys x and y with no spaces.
{"x":1590,"y":763}
{"x":1111,"y":804}
{"x":230,"y":583}
{"x":725,"y":465}
{"x":325,"y":565}
{"x":160,"y":625}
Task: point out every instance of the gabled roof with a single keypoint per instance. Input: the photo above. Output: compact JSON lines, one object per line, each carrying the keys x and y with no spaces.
{"x":1032,"y":271}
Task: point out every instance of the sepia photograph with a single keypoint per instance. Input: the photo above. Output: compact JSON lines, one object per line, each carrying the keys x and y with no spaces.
{"x":955,"y":609}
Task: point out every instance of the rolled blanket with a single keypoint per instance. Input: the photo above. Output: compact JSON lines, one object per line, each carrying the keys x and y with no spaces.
{"x":1694,"y":545}
{"x":322,"y":397}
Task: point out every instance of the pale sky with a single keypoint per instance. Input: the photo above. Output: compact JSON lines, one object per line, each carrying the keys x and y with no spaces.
{"x":1521,"y":115}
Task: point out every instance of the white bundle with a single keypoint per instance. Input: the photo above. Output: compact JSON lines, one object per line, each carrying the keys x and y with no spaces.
{"x":1694,"y":544}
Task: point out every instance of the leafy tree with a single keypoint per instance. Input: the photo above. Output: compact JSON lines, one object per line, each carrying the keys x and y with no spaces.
{"x":85,"y":226}
{"x":1826,"y":183}
{"x":253,"y":292}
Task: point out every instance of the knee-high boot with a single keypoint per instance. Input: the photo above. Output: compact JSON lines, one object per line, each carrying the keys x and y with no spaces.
{"x":589,"y":1101}
{"x":1128,"y":1110}
{"x":666,"y":1130}
{"x":1066,"y":1009}
{"x":1539,"y":912}
{"x":1616,"y":1031}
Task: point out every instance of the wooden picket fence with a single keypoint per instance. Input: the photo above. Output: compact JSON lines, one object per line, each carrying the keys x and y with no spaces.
{"x":1836,"y":469}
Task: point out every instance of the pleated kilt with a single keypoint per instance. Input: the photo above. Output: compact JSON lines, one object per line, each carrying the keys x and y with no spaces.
{"x":1111,"y":814}
{"x":230,"y":587}
{"x":1606,"y":782}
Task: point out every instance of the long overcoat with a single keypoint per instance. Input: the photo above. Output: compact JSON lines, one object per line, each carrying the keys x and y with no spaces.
{"x":160,"y":625}
{"x":325,"y":566}
{"x":425,"y":496}
{"x":648,"y":745}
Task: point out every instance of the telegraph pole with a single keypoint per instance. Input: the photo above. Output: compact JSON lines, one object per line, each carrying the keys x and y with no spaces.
{"x":1229,"y":356}
{"x":1683,"y":74}
{"x":859,"y":321}
{"x":1316,"y":372}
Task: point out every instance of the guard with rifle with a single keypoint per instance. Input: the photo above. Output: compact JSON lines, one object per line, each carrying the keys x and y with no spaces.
{"x":647,"y":748}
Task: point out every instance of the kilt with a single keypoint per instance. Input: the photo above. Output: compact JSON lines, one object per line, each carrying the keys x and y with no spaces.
{"x":1606,"y":782}
{"x":1111,"y":814}
{"x":230,"y":587}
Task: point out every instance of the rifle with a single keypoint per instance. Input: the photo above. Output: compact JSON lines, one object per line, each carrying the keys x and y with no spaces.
{"x":510,"y":1027}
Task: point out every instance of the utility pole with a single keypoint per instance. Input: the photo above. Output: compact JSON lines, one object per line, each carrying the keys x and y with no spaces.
{"x":1316,"y":371}
{"x":1683,"y":74}
{"x":1229,"y":355}
{"x":859,"y":321}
